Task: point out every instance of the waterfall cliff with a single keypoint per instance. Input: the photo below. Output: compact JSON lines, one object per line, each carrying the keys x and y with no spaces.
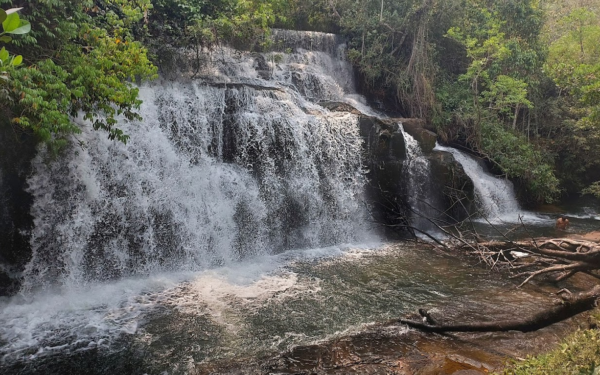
{"x":495,"y":196}
{"x":237,"y":162}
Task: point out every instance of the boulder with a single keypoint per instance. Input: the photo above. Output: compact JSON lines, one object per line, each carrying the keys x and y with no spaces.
{"x":457,"y":192}
{"x":419,"y":130}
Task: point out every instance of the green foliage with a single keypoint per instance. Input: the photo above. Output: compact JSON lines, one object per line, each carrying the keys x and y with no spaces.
{"x":204,"y":23}
{"x":574,"y":66}
{"x":574,"y":63}
{"x":313,"y":15}
{"x":520,"y":160}
{"x":578,"y":354}
{"x":84,"y":62}
{"x":593,"y":189}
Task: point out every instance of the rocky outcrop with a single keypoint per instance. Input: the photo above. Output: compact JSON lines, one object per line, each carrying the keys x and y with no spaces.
{"x":385,"y":156}
{"x":456,"y":190}
{"x":16,"y":153}
{"x":385,"y":152}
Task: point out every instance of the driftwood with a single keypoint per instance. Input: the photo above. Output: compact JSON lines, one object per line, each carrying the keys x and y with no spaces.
{"x":563,"y":256}
{"x":570,"y":306}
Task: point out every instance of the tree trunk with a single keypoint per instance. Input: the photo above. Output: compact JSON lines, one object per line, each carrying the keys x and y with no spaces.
{"x":568,"y":308}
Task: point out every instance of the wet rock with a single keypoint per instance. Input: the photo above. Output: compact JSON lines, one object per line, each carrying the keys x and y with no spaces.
{"x":420,"y":131}
{"x":16,"y":152}
{"x":261,"y":66}
{"x":340,"y":107}
{"x":385,"y":152}
{"x":456,"y":189}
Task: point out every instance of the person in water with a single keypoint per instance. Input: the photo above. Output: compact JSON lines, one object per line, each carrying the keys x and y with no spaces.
{"x":562,"y":223}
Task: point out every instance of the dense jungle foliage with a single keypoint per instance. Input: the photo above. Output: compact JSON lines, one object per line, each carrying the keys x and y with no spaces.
{"x":516,"y":81}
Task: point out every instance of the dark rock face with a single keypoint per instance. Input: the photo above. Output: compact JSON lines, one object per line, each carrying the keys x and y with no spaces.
{"x":385,"y":154}
{"x":16,"y":152}
{"x":419,"y":130}
{"x":388,"y":190}
{"x":456,"y":189}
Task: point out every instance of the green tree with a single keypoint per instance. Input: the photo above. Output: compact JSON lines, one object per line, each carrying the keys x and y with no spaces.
{"x":574,"y":65}
{"x":486,"y":102}
{"x":81,"y":58}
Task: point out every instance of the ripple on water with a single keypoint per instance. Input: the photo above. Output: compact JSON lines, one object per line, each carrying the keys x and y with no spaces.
{"x":252,"y":309}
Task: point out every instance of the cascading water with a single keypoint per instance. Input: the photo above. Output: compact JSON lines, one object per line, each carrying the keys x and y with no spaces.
{"x":495,"y":195}
{"x":214,"y":173}
{"x":238,"y":163}
{"x":418,"y":171}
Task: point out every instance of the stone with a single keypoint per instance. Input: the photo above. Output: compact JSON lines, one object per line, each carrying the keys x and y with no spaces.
{"x":16,"y":152}
{"x":453,"y":184}
{"x":418,"y":129}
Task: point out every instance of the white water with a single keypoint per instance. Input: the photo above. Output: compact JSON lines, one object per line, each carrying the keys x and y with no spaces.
{"x":419,"y":184}
{"x":233,"y":167}
{"x":496,"y":196}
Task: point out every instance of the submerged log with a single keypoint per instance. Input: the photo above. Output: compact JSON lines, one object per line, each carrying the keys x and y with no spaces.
{"x":570,"y":306}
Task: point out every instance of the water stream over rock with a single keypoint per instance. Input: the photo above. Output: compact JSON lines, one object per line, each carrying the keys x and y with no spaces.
{"x":496,"y":196}
{"x":419,"y":185}
{"x":233,"y":224}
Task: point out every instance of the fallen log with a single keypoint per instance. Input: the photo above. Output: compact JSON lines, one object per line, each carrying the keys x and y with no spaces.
{"x":569,"y":306}
{"x":564,"y":256}
{"x":564,"y":248}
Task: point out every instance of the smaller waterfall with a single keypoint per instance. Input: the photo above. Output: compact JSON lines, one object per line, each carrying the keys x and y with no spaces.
{"x":495,"y":195}
{"x":418,"y":171}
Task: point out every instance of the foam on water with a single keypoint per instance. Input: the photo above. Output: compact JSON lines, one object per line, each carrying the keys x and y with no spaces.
{"x":72,"y":319}
{"x":223,"y":174}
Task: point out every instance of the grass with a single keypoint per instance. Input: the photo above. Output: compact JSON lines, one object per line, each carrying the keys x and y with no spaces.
{"x":577,"y":354}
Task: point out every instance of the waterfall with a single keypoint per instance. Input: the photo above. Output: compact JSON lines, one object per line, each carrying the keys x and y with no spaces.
{"x":418,"y":173}
{"x":237,"y":163}
{"x":495,"y":196}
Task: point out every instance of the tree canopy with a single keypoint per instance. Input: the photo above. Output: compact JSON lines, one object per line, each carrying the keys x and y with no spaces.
{"x":516,"y":81}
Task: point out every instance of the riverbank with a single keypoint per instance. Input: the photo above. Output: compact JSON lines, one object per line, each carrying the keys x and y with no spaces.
{"x":391,"y":348}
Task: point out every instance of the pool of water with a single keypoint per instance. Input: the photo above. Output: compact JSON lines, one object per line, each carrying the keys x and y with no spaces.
{"x":170,"y":323}
{"x":583,"y":215}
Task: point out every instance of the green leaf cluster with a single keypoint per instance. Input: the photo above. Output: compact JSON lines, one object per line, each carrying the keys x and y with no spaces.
{"x":82,"y":59}
{"x":12,"y":24}
{"x":577,"y":354}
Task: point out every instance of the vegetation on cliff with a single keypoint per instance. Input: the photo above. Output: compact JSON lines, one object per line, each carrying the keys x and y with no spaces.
{"x":83,"y":58}
{"x":515,"y":81}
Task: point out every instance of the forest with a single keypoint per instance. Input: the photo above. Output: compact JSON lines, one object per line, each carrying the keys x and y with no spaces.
{"x":516,"y":82}
{"x":186,"y":174}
